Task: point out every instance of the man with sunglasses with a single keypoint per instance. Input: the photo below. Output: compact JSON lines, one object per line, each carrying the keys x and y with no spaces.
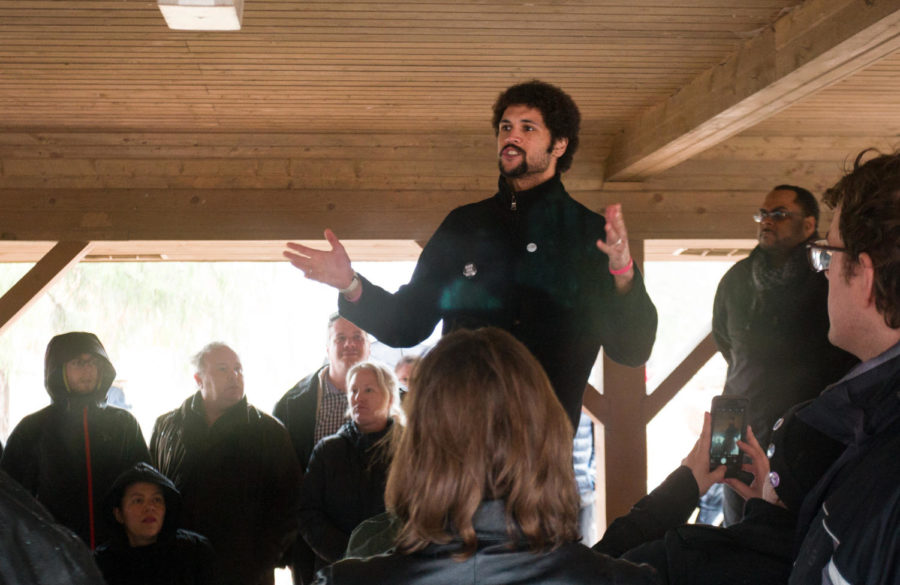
{"x":851,"y":518}
{"x":770,"y":320}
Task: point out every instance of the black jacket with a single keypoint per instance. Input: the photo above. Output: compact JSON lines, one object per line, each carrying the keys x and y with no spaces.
{"x":178,"y":557}
{"x":344,"y":485}
{"x":850,"y":522}
{"x":494,"y":563}
{"x":34,"y":549}
{"x":531,"y":268}
{"x":48,"y":454}
{"x":775,"y":340}
{"x":297,"y":411}
{"x":239,"y":481}
{"x":756,"y":550}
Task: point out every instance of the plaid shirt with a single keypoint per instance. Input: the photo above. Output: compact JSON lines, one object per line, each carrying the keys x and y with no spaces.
{"x":332,"y":411}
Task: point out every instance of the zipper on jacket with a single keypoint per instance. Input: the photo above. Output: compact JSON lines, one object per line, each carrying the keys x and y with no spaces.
{"x":90,"y":478}
{"x":512,"y":204}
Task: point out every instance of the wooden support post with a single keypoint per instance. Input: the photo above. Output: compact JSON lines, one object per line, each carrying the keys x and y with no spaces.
{"x":42,"y":276}
{"x":625,"y":431}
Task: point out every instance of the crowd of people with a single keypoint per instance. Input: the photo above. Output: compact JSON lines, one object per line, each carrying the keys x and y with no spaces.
{"x":465,"y":473}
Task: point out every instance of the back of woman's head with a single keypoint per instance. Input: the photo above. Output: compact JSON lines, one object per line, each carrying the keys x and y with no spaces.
{"x":484,"y":424}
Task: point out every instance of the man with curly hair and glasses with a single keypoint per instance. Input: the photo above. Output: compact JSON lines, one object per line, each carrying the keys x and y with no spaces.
{"x":530,"y":260}
{"x":850,"y":519}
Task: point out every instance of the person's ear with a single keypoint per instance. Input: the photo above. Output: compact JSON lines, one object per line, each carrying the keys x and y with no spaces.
{"x":118,"y":514}
{"x":866,"y":276}
{"x":198,"y":380}
{"x":809,"y":227}
{"x":559,"y":147}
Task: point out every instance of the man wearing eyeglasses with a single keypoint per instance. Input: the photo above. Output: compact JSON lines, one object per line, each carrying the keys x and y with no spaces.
{"x":770,"y":320}
{"x":851,"y":519}
{"x":67,"y":455}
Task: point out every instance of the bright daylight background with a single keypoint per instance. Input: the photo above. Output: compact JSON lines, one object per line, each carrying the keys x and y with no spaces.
{"x":152,"y":317}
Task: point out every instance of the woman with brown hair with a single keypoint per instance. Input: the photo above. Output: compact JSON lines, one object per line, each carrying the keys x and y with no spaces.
{"x":482,"y":479}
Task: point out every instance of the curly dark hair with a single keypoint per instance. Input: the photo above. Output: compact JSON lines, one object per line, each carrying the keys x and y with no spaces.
{"x":869,"y":198}
{"x":560,"y":113}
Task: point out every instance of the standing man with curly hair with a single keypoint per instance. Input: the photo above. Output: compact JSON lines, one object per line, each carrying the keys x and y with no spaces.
{"x":530,"y":260}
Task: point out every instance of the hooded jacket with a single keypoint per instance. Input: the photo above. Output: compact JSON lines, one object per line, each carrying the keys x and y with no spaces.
{"x":178,"y":557}
{"x":68,"y":454}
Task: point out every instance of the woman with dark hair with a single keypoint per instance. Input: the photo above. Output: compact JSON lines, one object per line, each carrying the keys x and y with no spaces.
{"x":344,"y":483}
{"x":482,"y":481}
{"x":148,"y":548}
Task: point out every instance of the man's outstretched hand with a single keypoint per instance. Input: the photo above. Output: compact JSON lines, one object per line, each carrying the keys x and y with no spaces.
{"x":331,"y":267}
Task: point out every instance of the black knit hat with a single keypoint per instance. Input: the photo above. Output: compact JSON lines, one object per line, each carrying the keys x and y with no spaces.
{"x":798,"y":456}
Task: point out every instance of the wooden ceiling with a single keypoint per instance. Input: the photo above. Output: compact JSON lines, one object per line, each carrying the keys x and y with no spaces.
{"x":373,"y":117}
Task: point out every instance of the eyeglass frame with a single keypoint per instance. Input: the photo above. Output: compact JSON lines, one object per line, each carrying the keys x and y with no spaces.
{"x":776,"y":216}
{"x":816,"y":251}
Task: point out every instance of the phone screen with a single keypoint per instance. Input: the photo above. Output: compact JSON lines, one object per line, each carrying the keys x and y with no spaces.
{"x":727,"y":429}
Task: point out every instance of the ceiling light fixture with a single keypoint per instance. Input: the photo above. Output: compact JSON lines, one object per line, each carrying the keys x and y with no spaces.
{"x":202,"y":14}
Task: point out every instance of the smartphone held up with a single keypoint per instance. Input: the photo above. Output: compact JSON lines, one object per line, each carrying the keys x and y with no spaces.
{"x":728,"y":425}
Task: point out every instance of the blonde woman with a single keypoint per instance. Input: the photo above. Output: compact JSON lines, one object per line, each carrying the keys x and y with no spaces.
{"x":345,"y":481}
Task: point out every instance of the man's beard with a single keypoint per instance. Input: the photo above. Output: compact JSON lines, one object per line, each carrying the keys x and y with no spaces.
{"x":517,"y":171}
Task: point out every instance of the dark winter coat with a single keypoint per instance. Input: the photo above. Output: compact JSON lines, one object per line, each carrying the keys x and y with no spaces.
{"x":775,"y":341}
{"x":34,"y":549}
{"x":69,"y":454}
{"x":850,"y":522}
{"x":178,"y":557}
{"x":756,"y":550}
{"x":344,"y":485}
{"x":526,"y":262}
{"x":239,"y":480}
{"x":494,"y":563}
{"x":297,"y":410}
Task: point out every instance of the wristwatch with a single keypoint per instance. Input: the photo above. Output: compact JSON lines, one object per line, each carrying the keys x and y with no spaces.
{"x":351,"y":288}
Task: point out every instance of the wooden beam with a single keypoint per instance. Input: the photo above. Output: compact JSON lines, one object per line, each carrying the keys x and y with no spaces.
{"x":42,"y":275}
{"x":625,"y":435}
{"x":596,"y":404}
{"x":373,"y":214}
{"x":807,"y":49}
{"x":680,"y":376}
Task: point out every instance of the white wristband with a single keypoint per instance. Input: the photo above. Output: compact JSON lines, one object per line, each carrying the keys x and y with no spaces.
{"x":351,"y":288}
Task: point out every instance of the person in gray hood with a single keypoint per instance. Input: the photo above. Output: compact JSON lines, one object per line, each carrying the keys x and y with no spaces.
{"x":68,"y":454}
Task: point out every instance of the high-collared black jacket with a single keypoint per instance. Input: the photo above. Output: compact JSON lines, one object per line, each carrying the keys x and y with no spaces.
{"x":526,"y":262}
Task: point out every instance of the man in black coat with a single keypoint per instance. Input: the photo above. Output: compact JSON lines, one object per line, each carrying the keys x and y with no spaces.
{"x":770,"y":319}
{"x":68,"y":454}
{"x":235,"y":468}
{"x":530,"y":260}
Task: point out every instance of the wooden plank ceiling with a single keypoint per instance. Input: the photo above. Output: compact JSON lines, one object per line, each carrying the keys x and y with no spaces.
{"x":373,"y":117}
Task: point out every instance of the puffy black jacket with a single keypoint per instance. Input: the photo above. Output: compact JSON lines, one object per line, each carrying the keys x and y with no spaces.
{"x":344,"y":485}
{"x":239,"y":480}
{"x":35,"y":549}
{"x":178,"y":557}
{"x":496,"y":562}
{"x":69,"y":454}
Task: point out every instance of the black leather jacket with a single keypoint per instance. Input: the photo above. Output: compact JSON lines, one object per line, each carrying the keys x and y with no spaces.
{"x":239,"y":480}
{"x":494,"y":563}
